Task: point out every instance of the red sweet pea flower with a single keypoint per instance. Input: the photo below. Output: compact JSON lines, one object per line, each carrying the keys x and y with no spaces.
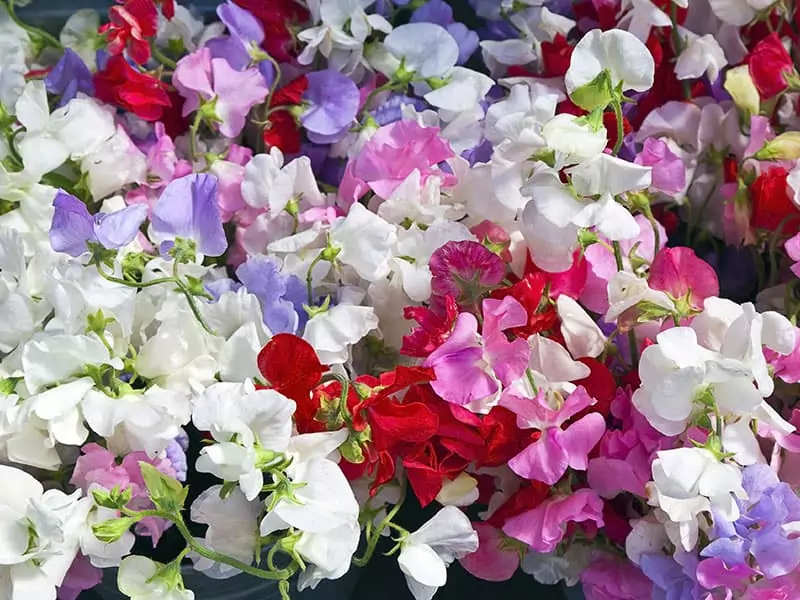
{"x":504,"y":440}
{"x":771,"y":206}
{"x":123,"y":86}
{"x":526,"y":498}
{"x":276,"y":18}
{"x":167,"y":8}
{"x":556,"y":56}
{"x":600,"y":385}
{"x":769,"y":64}
{"x":433,"y":328}
{"x":129,"y":27}
{"x":529,"y":292}
{"x":291,"y":367}
{"x":281,"y":129}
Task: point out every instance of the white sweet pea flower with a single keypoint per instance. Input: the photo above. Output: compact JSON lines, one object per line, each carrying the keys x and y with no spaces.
{"x":40,"y":533}
{"x":702,"y":55}
{"x":464,"y":89}
{"x":423,"y":203}
{"x":137,"y":579}
{"x":553,"y":371}
{"x":581,"y":334}
{"x":232,"y":529}
{"x":514,"y":125}
{"x":426,"y":553}
{"x":328,"y":555}
{"x":690,"y":481}
{"x":12,"y":73}
{"x":574,"y":140}
{"x":435,"y":58}
{"x":80,"y":34}
{"x":626,"y":58}
{"x":22,"y":314}
{"x":641,"y":16}
{"x":738,"y":439}
{"x":334,"y":331}
{"x":646,"y":537}
{"x":738,"y":12}
{"x":114,"y":164}
{"x":40,"y":146}
{"x":246,"y":423}
{"x":272,"y":185}
{"x":365,"y":240}
{"x":184,"y":26}
{"x":626,"y":290}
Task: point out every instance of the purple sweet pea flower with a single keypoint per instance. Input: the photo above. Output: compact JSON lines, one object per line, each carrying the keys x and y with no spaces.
{"x":188,"y":209}
{"x":670,"y":580}
{"x":669,"y":172}
{"x":242,"y":47}
{"x":176,"y":454}
{"x":221,"y":286}
{"x":392,"y":109}
{"x":73,"y":227}
{"x":466,"y":39}
{"x":231,"y":50}
{"x":241,"y":23}
{"x":433,"y":11}
{"x":68,"y":77}
{"x":281,"y":296}
{"x":333,"y":101}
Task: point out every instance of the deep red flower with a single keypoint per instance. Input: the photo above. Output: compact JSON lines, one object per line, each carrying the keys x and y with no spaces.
{"x":769,"y":64}
{"x":668,"y":219}
{"x":556,"y":56}
{"x":529,"y":292}
{"x":167,"y":8}
{"x":504,"y":440}
{"x":604,"y":14}
{"x":526,"y":498}
{"x":129,"y":27}
{"x":282,"y":130}
{"x":610,"y":123}
{"x":277,"y":18}
{"x":600,"y":385}
{"x":569,"y":283}
{"x":433,"y":329}
{"x":123,"y":86}
{"x":655,"y":43}
{"x":771,"y":206}
{"x":290,"y":366}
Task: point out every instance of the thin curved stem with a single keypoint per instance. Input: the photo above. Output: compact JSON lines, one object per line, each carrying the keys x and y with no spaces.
{"x":634,"y":347}
{"x":35,"y":31}
{"x":309,"y":278}
{"x":162,"y":58}
{"x":620,"y":126}
{"x":372,"y":543}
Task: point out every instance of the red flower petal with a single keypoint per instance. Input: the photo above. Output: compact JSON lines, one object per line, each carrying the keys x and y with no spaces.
{"x":290,"y":365}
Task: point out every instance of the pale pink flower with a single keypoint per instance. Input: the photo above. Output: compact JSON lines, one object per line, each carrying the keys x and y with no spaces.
{"x":491,"y":561}
{"x":681,"y":274}
{"x":669,"y":172}
{"x":792,"y":247}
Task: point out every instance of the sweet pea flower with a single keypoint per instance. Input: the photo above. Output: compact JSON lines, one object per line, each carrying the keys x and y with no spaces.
{"x":607,"y":578}
{"x":792,"y":247}
{"x":548,"y":458}
{"x":684,"y":276}
{"x":365,"y":241}
{"x":281,"y":296}
{"x":73,"y":227}
{"x":201,"y":79}
{"x":332,"y":101}
{"x":138,"y":578}
{"x":68,"y":77}
{"x":669,"y":172}
{"x":433,"y":59}
{"x":490,"y":562}
{"x":188,"y":209}
{"x":389,"y":157}
{"x":243,"y":47}
{"x":702,"y":55}
{"x":426,"y":553}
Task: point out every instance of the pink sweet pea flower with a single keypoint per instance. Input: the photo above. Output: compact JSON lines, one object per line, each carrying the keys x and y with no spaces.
{"x":470,"y":367}
{"x":491,"y":561}
{"x":787,"y":366}
{"x":792,"y":247}
{"x":82,"y":575}
{"x":609,"y":578}
{"x":669,"y":172}
{"x":556,"y":449}
{"x":543,"y":527}
{"x":199,"y":78}
{"x":391,"y":155}
{"x":230,"y":173}
{"x":680,"y":273}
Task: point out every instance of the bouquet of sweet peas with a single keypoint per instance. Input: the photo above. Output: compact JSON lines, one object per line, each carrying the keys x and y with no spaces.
{"x":536,"y":267}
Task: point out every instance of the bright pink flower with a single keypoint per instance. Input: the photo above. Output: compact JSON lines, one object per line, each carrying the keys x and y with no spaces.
{"x":199,"y":78}
{"x":787,"y":366}
{"x":543,"y":527}
{"x":680,"y":273}
{"x":608,"y":578}
{"x":470,"y":367}
{"x":556,"y":449}
{"x":493,"y":237}
{"x":98,"y":466}
{"x":669,"y":172}
{"x":391,"y":155}
{"x":786,"y":587}
{"x":714,"y":573}
{"x":491,"y":561}
{"x":602,"y":267}
{"x":465,"y":270}
{"x":792,"y":247}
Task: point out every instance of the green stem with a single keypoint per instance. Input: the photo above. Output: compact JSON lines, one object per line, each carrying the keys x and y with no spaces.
{"x":677,"y":45}
{"x":389,"y":85}
{"x":275,"y":81}
{"x":227,"y":560}
{"x":617,"y":105}
{"x":49,"y":39}
{"x":309,"y":278}
{"x":193,"y":135}
{"x":162,"y":58}
{"x":376,"y":534}
{"x":632,"y":332}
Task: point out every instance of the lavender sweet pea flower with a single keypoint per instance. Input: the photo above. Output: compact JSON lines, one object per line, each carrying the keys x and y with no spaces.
{"x":176,"y":454}
{"x":433,"y":11}
{"x":466,"y":39}
{"x":68,"y":77}
{"x":188,"y":209}
{"x":242,"y":48}
{"x":669,"y":577}
{"x":240,"y":23}
{"x":221,"y":286}
{"x":281,"y":296}
{"x":333,"y":101}
{"x":392,"y":109}
{"x":73,"y":227}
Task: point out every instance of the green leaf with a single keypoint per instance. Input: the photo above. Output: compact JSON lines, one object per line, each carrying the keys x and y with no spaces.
{"x":166,"y":493}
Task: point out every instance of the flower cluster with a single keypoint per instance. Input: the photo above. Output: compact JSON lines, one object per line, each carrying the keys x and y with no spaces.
{"x":335,"y":255}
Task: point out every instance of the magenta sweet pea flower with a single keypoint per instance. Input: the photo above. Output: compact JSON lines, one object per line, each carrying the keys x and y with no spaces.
{"x":609,"y":578}
{"x":332,"y":101}
{"x":200,"y":79}
{"x":543,"y":527}
{"x":465,"y":270}
{"x":680,"y":273}
{"x":548,"y":458}
{"x":669,"y":172}
{"x":391,"y":155}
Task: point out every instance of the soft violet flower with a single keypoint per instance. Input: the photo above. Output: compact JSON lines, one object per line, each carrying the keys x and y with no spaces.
{"x":82,"y":575}
{"x":669,"y":577}
{"x":391,"y":155}
{"x":176,"y":454}
{"x":188,"y":209}
{"x":440,"y":13}
{"x":73,"y":226}
{"x":68,"y":77}
{"x":201,"y":79}
{"x":98,"y":466}
{"x":243,"y":47}
{"x":281,"y":296}
{"x":609,"y":578}
{"x":221,"y":286}
{"x":391,"y":109}
{"x":669,"y":172}
{"x":543,"y":527}
{"x":465,"y":270}
{"x":332,"y":101}
{"x":681,"y":274}
{"x":557,"y":448}
{"x":469,"y":367}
